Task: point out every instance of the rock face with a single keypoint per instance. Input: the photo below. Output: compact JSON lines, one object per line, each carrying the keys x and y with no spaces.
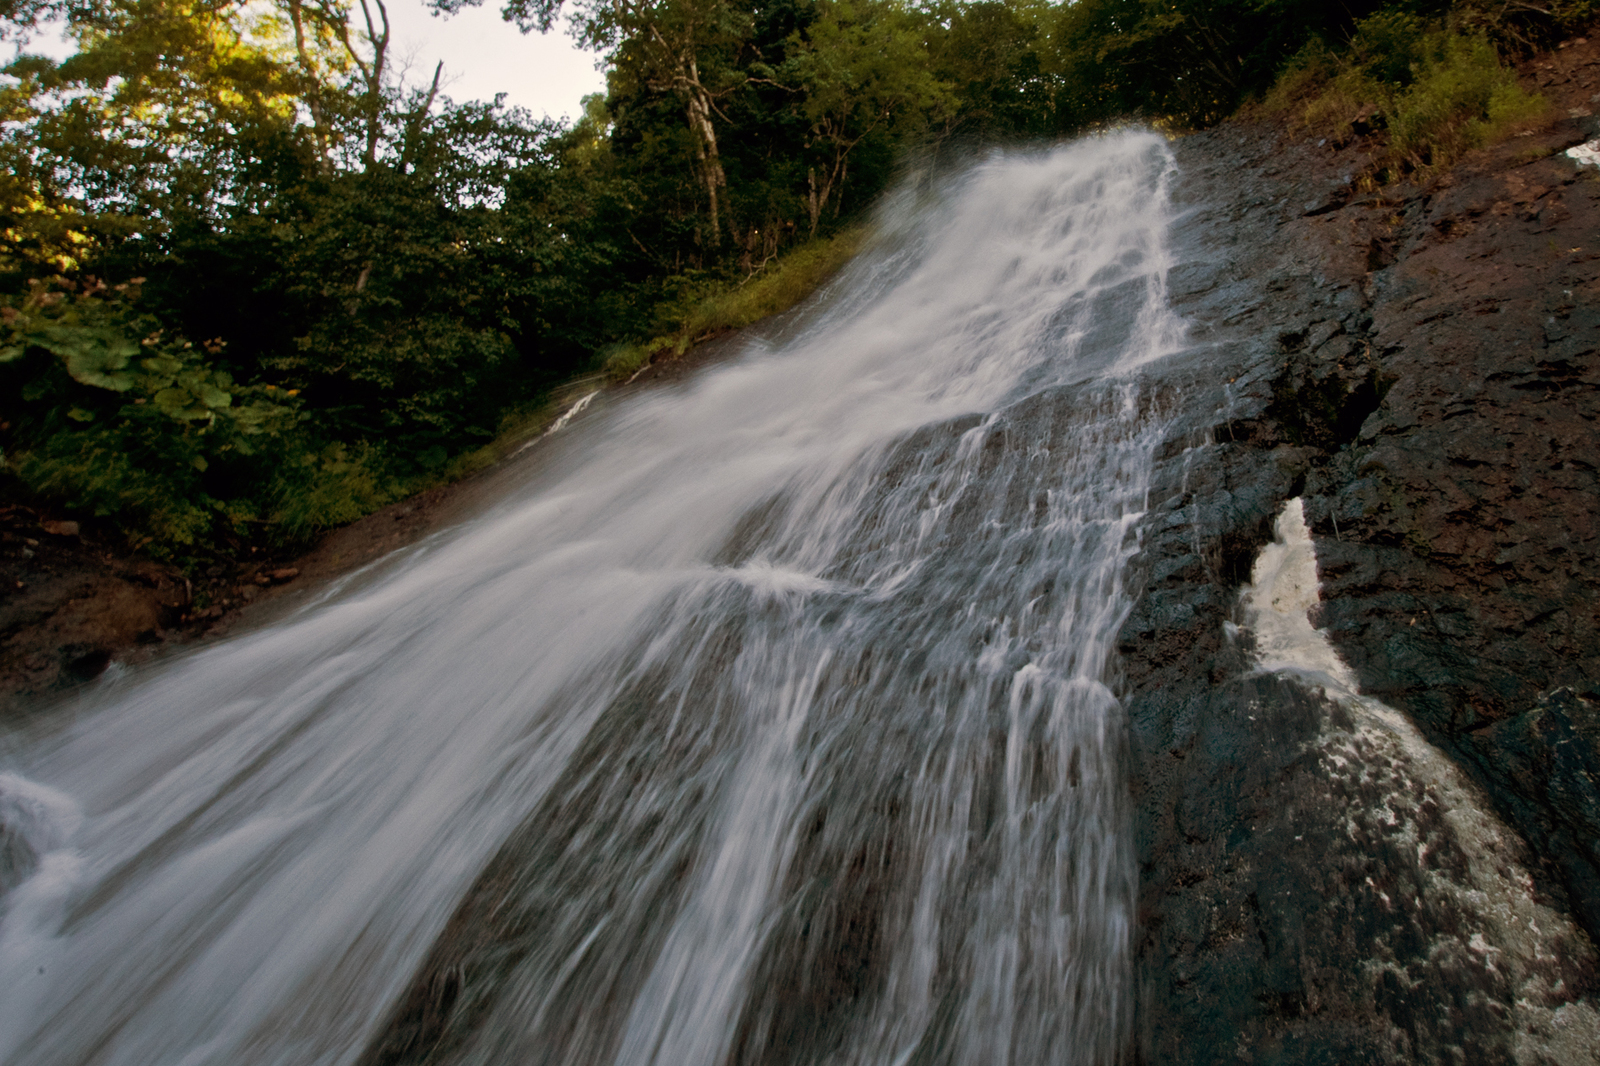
{"x":1414,"y":877}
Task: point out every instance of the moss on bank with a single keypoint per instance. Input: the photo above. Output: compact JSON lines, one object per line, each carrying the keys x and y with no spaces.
{"x":706,"y":311}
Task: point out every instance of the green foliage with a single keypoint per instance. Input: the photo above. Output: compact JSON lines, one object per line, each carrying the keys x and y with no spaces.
{"x":319,"y":490}
{"x":1517,"y":26}
{"x":858,"y":68}
{"x":991,"y":61}
{"x":1461,"y":97}
{"x":117,"y":421}
{"x":1439,"y":91}
{"x":1187,"y":63}
{"x":389,"y":278}
{"x":778,"y":288}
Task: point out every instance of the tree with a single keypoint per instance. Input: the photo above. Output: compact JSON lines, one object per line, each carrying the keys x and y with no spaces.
{"x":990,"y":53}
{"x":154,"y":108}
{"x":673,"y":44}
{"x":1191,"y":61}
{"x":324,"y":234}
{"x":861,"y":65}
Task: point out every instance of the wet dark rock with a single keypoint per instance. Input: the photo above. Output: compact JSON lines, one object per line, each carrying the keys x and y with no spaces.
{"x":1330,"y":199}
{"x":1420,"y":365}
{"x":80,"y":663}
{"x":1549,"y":759}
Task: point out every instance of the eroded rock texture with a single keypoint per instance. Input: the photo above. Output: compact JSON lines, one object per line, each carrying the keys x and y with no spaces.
{"x":1327,"y":880}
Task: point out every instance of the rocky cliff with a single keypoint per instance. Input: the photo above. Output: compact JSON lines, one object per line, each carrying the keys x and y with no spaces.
{"x":1412,"y":877}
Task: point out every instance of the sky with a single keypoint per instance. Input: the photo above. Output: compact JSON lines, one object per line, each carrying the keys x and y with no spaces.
{"x":483,"y":55}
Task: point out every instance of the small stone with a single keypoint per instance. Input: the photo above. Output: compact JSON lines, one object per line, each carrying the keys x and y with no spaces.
{"x":288,"y":573}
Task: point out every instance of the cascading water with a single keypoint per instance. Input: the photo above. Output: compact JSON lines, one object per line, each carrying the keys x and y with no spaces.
{"x":772,"y":721}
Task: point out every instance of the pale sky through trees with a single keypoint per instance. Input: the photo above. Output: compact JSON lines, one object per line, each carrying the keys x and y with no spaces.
{"x":483,"y":55}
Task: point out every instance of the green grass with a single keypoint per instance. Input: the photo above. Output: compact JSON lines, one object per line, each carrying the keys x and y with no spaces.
{"x":700,"y":313}
{"x":335,"y":486}
{"x":1436,"y":92}
{"x":1463,"y":98}
{"x":729,"y":305}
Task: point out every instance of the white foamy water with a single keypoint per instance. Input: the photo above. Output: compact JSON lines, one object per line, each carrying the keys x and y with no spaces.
{"x":1486,"y":910}
{"x":1282,"y":591}
{"x":807,"y":627}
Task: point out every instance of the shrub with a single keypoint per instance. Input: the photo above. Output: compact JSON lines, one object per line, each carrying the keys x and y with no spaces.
{"x":115,"y":419}
{"x":1462,"y":97}
{"x":1440,"y":91}
{"x":327,"y":488}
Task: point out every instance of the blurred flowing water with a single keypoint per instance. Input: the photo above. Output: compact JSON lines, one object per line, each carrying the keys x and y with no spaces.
{"x":773,"y":719}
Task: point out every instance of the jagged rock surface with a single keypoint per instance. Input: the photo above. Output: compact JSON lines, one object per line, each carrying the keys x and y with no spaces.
{"x":1420,"y":365}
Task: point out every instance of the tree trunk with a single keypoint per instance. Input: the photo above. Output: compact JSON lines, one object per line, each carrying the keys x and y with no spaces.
{"x":813,"y":207}
{"x":313,"y":90}
{"x":711,"y":172}
{"x":817,"y":196}
{"x":678,"y":62}
{"x":372,"y":74}
{"x":416,"y":121}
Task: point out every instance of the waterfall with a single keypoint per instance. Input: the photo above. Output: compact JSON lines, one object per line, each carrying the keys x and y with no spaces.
{"x":772,"y":719}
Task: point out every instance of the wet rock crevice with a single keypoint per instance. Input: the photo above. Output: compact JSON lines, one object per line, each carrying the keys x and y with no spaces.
{"x":1419,"y":366}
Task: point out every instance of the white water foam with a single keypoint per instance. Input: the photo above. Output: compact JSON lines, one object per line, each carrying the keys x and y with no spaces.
{"x":578,"y":407}
{"x":277,"y":828}
{"x":1585,"y":154}
{"x":37,"y":827}
{"x":1501,"y":923}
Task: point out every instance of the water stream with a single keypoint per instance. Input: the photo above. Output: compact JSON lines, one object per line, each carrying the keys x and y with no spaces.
{"x":773,"y":719}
